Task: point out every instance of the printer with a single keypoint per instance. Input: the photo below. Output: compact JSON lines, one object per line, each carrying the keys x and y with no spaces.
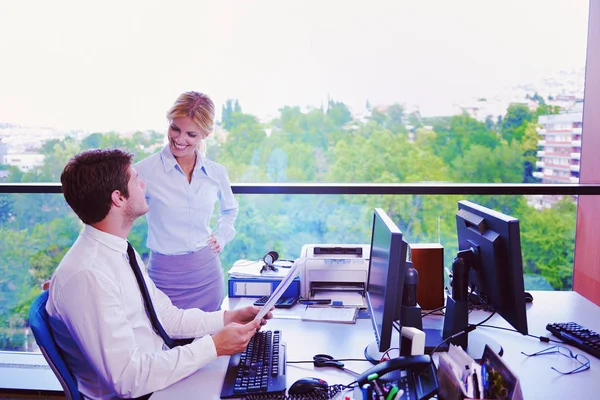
{"x":334,"y":268}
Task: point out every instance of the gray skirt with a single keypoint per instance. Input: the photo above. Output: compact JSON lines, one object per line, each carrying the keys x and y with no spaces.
{"x":190,"y":280}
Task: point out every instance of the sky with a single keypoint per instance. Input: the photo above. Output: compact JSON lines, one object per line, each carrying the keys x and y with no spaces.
{"x":119,"y":65}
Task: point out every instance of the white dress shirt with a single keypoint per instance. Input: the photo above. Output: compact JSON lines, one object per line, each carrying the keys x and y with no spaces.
{"x":180,"y":211}
{"x":99,"y":320}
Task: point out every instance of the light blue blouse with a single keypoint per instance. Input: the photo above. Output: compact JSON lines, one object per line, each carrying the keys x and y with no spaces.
{"x":180,"y":212}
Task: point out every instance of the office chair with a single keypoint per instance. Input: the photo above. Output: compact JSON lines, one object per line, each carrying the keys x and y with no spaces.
{"x":40,"y":326}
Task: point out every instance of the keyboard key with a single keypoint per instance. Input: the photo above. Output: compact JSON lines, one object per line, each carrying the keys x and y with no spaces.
{"x":577,"y":335}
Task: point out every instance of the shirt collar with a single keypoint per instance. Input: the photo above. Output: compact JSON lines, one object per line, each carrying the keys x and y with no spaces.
{"x":114,"y":242}
{"x":169,"y":161}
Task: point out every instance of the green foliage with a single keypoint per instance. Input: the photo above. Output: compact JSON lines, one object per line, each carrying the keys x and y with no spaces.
{"x":338,"y":113}
{"x":316,"y":145}
{"x":6,"y":207}
{"x":539,"y":99}
{"x":463,"y":131}
{"x":515,"y":122}
{"x":392,"y":118}
{"x":229,"y":108}
{"x":547,"y":242}
{"x":246,"y":136}
{"x":503,"y":164}
{"x":544,"y":109}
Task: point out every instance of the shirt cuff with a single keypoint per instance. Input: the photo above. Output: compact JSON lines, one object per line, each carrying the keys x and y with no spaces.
{"x":215,"y":321}
{"x":204,"y":350}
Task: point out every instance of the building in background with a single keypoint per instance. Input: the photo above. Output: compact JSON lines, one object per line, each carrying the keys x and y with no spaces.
{"x":25,"y":162}
{"x":559,"y":151}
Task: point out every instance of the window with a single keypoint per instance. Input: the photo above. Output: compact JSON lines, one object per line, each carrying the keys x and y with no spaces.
{"x":302,"y":95}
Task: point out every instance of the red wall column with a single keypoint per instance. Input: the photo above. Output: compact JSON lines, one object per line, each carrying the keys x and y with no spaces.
{"x":586,"y":274}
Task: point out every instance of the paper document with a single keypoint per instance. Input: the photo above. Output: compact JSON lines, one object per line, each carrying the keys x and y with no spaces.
{"x":252,"y":269}
{"x":330,"y":314}
{"x":349,"y":299}
{"x":283,"y":285}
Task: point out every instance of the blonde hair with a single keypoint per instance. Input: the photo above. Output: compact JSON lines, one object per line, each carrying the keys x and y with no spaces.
{"x":196,"y":106}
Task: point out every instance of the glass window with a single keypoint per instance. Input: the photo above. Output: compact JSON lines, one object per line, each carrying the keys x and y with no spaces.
{"x":305,"y":91}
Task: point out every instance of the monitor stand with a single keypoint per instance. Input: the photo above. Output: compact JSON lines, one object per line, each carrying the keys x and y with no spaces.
{"x":373,"y":355}
{"x":475,"y":346}
{"x":456,"y":319}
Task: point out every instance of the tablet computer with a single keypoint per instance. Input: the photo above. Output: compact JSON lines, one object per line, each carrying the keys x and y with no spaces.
{"x":283,"y":285}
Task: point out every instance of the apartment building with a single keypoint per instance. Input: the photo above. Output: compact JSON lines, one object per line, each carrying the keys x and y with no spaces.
{"x":560,"y":151}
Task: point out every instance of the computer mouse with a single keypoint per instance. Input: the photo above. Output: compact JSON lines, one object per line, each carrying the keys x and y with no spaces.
{"x":308,"y":385}
{"x":528,"y":297}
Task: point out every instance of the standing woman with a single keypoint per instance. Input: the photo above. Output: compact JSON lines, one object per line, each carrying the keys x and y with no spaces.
{"x":182,"y":188}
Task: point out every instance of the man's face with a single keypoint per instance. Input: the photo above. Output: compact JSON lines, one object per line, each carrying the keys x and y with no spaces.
{"x":136,"y":203}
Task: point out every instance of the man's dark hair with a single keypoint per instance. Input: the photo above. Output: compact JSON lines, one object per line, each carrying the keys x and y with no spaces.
{"x":90,"y":177}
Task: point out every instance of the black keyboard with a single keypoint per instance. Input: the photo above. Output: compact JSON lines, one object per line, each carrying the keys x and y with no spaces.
{"x":578,"y":336}
{"x":258,"y":369}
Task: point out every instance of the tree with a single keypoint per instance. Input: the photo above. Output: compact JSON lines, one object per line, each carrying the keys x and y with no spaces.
{"x":489,"y":122}
{"x":538,"y":98}
{"x":414,"y":119}
{"x":6,"y":207}
{"x":515,"y":122}
{"x":395,"y":118}
{"x":338,"y":113}
{"x":242,"y":146}
{"x":544,"y":109}
{"x":463,"y":132}
{"x":530,"y":146}
{"x":226,"y":112}
{"x":547,"y":242}
{"x":481,"y":164}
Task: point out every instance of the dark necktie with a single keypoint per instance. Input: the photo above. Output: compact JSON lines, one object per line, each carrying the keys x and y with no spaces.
{"x":148,"y":302}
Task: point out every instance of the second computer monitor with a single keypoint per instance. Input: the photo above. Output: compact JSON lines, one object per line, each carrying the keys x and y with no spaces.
{"x":496,"y":266}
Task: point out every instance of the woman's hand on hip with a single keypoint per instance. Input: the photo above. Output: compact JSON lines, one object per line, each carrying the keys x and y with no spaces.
{"x":214,"y":244}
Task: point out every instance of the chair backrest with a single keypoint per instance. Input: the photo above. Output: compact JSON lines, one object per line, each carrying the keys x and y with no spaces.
{"x":40,"y":326}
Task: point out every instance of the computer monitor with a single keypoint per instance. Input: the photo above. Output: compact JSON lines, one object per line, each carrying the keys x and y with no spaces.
{"x":385,"y":281}
{"x":491,"y":243}
{"x":488,"y":267}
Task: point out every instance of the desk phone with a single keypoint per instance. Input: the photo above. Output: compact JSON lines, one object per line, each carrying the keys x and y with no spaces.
{"x":415,"y":376}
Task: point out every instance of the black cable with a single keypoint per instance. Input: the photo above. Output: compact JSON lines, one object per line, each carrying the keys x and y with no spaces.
{"x":334,"y":359}
{"x":544,"y":339}
{"x":325,"y":360}
{"x":485,"y":320}
{"x":432,"y":311}
{"x":468,"y":329}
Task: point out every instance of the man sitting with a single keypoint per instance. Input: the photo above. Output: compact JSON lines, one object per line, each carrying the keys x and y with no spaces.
{"x":98,"y":314}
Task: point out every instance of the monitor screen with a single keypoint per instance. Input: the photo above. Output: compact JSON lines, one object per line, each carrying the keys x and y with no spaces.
{"x":385,"y":280}
{"x":496,"y":268}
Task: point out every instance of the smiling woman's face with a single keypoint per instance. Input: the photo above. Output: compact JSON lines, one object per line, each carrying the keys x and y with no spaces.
{"x":184,"y":136}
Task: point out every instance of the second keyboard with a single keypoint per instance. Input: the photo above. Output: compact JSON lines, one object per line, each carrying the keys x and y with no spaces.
{"x":578,"y":336}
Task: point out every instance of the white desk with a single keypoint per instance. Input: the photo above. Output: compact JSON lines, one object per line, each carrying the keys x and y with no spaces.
{"x":538,"y":381}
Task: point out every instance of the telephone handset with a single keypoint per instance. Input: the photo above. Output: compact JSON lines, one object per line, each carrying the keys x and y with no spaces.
{"x":415,"y":375}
